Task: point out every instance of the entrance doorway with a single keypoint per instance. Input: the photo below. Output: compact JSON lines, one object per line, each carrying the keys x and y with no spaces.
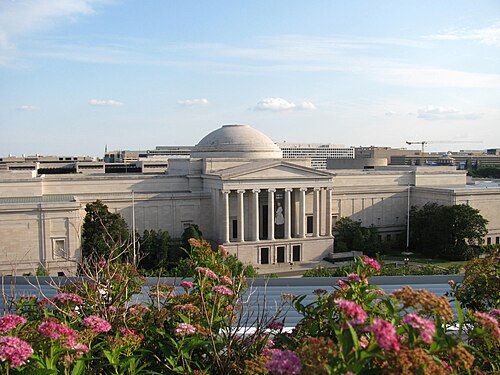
{"x":280,"y":254}
{"x":264,"y":255}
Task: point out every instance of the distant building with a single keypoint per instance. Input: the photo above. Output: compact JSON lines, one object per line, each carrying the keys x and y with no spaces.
{"x":318,"y":153}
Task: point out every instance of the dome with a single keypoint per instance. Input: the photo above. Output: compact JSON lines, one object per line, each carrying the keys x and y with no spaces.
{"x":236,"y":141}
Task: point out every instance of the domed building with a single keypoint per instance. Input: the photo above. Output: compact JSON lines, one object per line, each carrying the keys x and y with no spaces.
{"x":237,"y":188}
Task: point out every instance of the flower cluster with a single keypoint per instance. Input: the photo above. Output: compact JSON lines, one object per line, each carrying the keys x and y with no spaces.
{"x":185,"y":329}
{"x":59,"y":331}
{"x":96,"y":324}
{"x":187,"y":284}
{"x":10,"y":321}
{"x":68,"y":297}
{"x":284,"y":362}
{"x":223,"y":290}
{"x":489,"y":323}
{"x":207,"y":272}
{"x":369,"y":262}
{"x":385,"y":334}
{"x":352,"y":310}
{"x":14,"y":350}
{"x":426,"y":327}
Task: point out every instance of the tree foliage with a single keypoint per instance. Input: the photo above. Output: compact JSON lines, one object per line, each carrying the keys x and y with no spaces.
{"x":452,"y":232}
{"x":105,"y":235}
{"x":352,"y":236}
{"x":154,"y":249}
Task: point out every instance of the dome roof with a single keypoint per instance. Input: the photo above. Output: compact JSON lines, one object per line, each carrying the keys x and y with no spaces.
{"x":236,"y":141}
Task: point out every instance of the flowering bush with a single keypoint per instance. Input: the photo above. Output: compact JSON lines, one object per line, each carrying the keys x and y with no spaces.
{"x":93,"y":327}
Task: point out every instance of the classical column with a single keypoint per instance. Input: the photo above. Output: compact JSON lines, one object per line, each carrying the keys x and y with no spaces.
{"x":270,"y":213}
{"x":226,"y":216}
{"x":241,"y":220}
{"x":288,"y":214}
{"x":328,"y":211}
{"x":302,"y":215}
{"x":256,"y":223}
{"x":316,"y":211}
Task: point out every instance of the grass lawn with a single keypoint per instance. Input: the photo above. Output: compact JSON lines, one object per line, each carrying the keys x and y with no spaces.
{"x":418,"y":258}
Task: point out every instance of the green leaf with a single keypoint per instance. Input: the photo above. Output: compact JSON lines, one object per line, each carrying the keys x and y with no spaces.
{"x":79,"y":368}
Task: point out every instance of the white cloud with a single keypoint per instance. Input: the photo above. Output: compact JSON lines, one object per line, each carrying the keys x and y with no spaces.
{"x":105,"y":102}
{"x":28,"y":108}
{"x":193,"y":102}
{"x":280,"y":104}
{"x":432,"y":112}
{"x":22,"y":17}
{"x":488,"y":35}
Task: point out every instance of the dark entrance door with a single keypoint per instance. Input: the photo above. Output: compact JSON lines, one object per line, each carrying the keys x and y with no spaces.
{"x":280,"y":254}
{"x":296,"y":253}
{"x":264,"y":255}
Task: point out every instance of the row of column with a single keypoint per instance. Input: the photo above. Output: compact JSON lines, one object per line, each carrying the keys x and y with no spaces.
{"x":271,"y":214}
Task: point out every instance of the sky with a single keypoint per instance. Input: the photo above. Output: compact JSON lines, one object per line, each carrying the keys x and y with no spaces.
{"x":77,"y":75}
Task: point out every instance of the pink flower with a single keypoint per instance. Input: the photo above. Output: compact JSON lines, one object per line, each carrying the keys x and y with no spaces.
{"x":385,"y":334}
{"x":131,"y":332}
{"x":342,"y":284}
{"x":207,"y":272}
{"x":284,"y":362}
{"x":10,"y":321}
{"x":223,"y":251}
{"x":452,"y":283}
{"x":224,"y":290}
{"x":68,"y":297}
{"x":226,"y":280}
{"x":184,"y":329}
{"x":495,"y":312}
{"x":102,"y":263}
{"x":367,"y":261}
{"x":14,"y":350}
{"x":194,"y":242}
{"x":425,"y":326}
{"x":187,"y":284}
{"x":96,"y":324}
{"x":351,"y":310}
{"x":57,"y":331}
{"x":488,"y":322}
{"x":356,"y":278}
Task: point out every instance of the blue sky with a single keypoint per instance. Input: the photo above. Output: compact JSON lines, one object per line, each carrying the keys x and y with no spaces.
{"x":76,"y":75}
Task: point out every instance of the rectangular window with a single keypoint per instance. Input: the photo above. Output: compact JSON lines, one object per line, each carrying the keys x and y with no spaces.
{"x":388,"y":237}
{"x":296,"y":253}
{"x":497,"y":240}
{"x":235,"y":229}
{"x":309,"y":224}
{"x":59,"y":248}
{"x":488,"y":241}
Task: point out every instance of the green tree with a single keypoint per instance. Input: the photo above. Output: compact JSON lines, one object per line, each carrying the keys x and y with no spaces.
{"x":104,"y":234}
{"x":154,"y":249}
{"x":451,"y":232}
{"x":352,"y":236}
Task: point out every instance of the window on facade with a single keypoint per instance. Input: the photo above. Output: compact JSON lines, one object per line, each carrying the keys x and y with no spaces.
{"x":335,"y":218}
{"x":309,"y":224}
{"x":59,"y":248}
{"x":497,"y":240}
{"x":388,"y":238}
{"x":488,"y":241}
{"x":296,"y":253}
{"x":235,"y":229}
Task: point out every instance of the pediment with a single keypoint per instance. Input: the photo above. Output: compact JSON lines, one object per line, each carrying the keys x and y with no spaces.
{"x":272,"y":171}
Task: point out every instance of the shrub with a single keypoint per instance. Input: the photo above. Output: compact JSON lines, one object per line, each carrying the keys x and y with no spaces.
{"x":200,"y":327}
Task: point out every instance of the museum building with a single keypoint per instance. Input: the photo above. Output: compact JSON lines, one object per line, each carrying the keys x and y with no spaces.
{"x":241,"y":193}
